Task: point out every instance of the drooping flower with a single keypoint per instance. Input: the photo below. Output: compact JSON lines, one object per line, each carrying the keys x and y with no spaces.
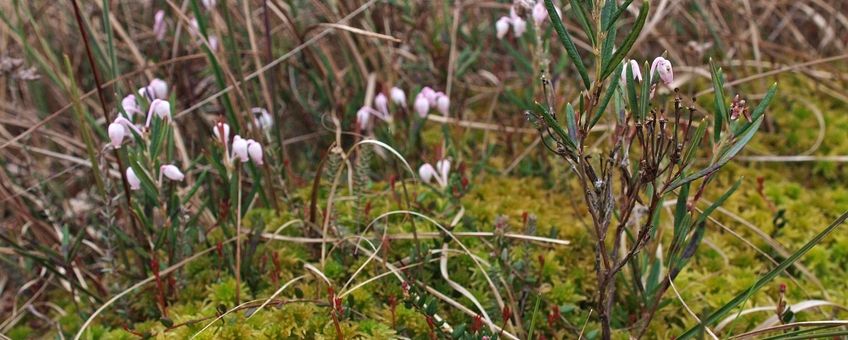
{"x":117,"y":132}
{"x":160,"y":108}
{"x":130,"y":105}
{"x":663,"y":67}
{"x":262,"y":118}
{"x":427,"y":172}
{"x":221,"y":131}
{"x":443,"y":166}
{"x":240,"y":149}
{"x":519,"y":26}
{"x":363,"y":118}
{"x":429,"y":94}
{"x":133,"y":180}
{"x":634,"y":67}
{"x":422,"y":105}
{"x":443,"y":103}
{"x":398,"y":96}
{"x":159,"y":28}
{"x":159,"y":88}
{"x":381,"y":102}
{"x":540,"y":13}
{"x":502,"y":27}
{"x":172,"y":172}
{"x":254,"y":151}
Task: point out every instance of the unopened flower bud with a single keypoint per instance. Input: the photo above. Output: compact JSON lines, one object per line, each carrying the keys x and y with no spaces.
{"x":172,"y":172}
{"x":519,"y":26}
{"x":422,"y":105}
{"x":363,"y":118}
{"x":240,"y":149}
{"x":254,"y":151}
{"x":443,"y":104}
{"x":502,"y":27}
{"x":398,"y":96}
{"x":209,"y":4}
{"x":262,"y":118}
{"x":426,"y":172}
{"x":540,"y":13}
{"x":117,"y":132}
{"x":221,"y":131}
{"x":159,"y":28}
{"x":158,"y":88}
{"x":133,"y":180}
{"x":382,"y":104}
{"x":429,"y":94}
{"x":130,"y":105}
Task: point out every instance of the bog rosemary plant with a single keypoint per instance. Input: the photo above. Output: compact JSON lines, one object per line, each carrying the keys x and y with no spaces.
{"x":650,"y":157}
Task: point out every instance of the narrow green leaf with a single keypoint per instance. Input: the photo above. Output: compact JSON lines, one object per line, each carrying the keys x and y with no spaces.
{"x":631,"y":92}
{"x":571,"y":122}
{"x":614,"y":17}
{"x":570,"y":48}
{"x":743,"y":296}
{"x":644,"y":93}
{"x":628,"y":41}
{"x":583,"y":18}
{"x":721,"y":115}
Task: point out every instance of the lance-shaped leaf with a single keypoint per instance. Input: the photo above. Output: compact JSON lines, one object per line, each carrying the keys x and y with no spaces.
{"x":571,"y":121}
{"x":565,"y":38}
{"x":583,"y":18}
{"x":628,"y":41}
{"x":614,"y":16}
{"x":722,"y":114}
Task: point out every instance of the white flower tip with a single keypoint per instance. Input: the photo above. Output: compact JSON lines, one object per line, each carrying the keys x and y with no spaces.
{"x":519,"y":26}
{"x":443,"y":104}
{"x":240,"y":149}
{"x":426,"y":172}
{"x":540,"y":13}
{"x":398,"y":96}
{"x":172,"y":172}
{"x":133,"y":180}
{"x":117,"y":132}
{"x":254,"y":151}
{"x":422,"y":105}
{"x":502,"y":27}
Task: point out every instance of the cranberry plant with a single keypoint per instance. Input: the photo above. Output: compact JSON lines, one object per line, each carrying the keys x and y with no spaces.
{"x":651,"y":157}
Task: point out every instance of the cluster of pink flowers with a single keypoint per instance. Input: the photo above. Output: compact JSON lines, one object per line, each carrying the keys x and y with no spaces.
{"x":380,"y":109}
{"x":518,"y":24}
{"x":429,"y":98}
{"x":242,"y":149}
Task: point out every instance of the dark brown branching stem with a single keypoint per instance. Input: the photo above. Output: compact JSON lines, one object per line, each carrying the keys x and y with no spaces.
{"x":103,"y":105}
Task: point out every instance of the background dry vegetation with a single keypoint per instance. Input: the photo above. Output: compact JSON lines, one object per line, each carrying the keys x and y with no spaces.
{"x":313,"y":64}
